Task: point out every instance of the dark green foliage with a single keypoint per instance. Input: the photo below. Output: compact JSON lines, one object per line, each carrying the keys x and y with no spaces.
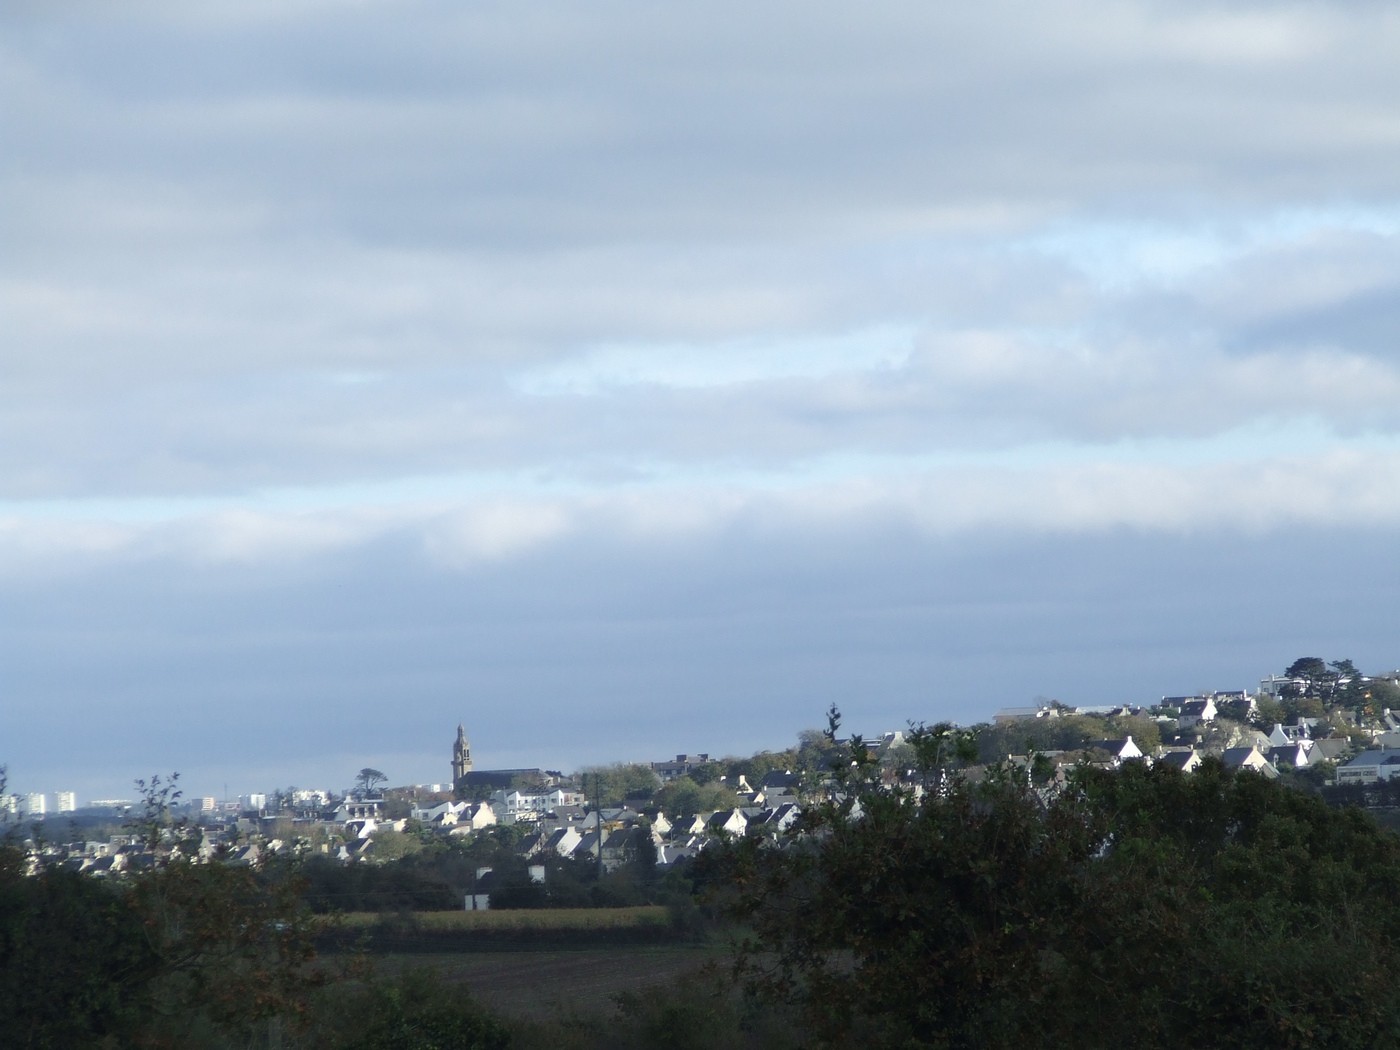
{"x":409,"y":884}
{"x":417,"y":1012}
{"x":74,"y":959}
{"x":1207,"y":909}
{"x":1310,"y":668}
{"x":1316,"y":678}
{"x":755,"y":767}
{"x":685,"y":797}
{"x":514,"y":888}
{"x":1067,"y":732}
{"x":622,"y":782}
{"x":701,"y":1011}
{"x":150,"y":959}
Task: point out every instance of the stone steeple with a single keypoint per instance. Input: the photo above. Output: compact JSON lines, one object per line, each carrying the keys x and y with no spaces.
{"x":461,"y":755}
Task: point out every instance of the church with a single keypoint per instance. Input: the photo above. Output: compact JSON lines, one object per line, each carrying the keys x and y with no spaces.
{"x":468,"y":782}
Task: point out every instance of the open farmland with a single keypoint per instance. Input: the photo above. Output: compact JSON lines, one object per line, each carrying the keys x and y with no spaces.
{"x":529,"y":962}
{"x":536,"y":983}
{"x":543,"y":929}
{"x":523,"y":920}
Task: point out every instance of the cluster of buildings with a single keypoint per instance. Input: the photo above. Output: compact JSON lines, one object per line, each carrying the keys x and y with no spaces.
{"x":557,"y":819}
{"x":1192,"y":727}
{"x":35,"y":805}
{"x":555,"y":816}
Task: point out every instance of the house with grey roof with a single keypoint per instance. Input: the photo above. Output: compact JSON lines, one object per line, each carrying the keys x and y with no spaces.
{"x":1181,"y":759}
{"x":1290,"y":756}
{"x":1370,"y":767}
{"x":1118,"y":751}
{"x":1197,"y":711}
{"x":1250,"y":758}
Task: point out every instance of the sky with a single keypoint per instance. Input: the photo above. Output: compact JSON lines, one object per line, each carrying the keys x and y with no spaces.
{"x":623,"y":379}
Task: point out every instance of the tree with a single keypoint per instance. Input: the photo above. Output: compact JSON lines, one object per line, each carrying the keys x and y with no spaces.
{"x":418,"y":1011}
{"x":756,"y":767}
{"x":368,"y":779}
{"x":618,"y":783}
{"x":1309,"y":667}
{"x":1215,"y":908}
{"x":684,"y":797}
{"x":1344,"y":669}
{"x":1269,"y":710}
{"x":815,"y":751}
{"x":1312,"y":671}
{"x":390,"y":845}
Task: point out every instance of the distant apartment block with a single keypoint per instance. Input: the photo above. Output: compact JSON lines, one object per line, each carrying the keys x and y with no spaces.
{"x":67,"y":801}
{"x":311,"y":799}
{"x":35,"y":804}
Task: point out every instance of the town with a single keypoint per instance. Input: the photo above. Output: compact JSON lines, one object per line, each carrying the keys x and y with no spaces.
{"x":1319,"y":724}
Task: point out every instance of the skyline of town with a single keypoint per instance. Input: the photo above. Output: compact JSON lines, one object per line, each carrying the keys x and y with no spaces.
{"x":230,"y":793}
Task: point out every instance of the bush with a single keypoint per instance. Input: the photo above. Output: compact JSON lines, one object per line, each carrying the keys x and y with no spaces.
{"x":416,"y":1011}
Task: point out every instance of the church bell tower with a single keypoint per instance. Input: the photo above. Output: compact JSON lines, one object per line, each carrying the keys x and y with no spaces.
{"x":461,"y":755}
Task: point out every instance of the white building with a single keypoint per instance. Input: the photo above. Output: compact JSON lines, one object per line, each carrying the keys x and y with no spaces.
{"x":1370,"y":767}
{"x":317,"y":799}
{"x":34,"y":804}
{"x":67,"y":801}
{"x":512,"y":806}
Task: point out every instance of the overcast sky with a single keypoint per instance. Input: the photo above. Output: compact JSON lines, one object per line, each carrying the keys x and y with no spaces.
{"x":626,"y":379}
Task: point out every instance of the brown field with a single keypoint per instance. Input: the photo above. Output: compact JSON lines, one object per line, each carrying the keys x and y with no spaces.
{"x":550,"y":983}
{"x":526,"y":919}
{"x":566,"y":960}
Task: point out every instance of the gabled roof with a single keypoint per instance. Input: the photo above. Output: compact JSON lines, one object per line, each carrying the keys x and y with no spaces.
{"x":1182,"y":760}
{"x":1288,"y":755}
{"x":618,"y":839}
{"x":778,"y":779}
{"x":1374,"y":758}
{"x":1331,"y":747}
{"x":1247,"y":758}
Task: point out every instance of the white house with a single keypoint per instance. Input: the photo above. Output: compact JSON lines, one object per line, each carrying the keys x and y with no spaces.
{"x":1184,"y":760}
{"x":1369,"y":767}
{"x":1119,"y":751}
{"x":1250,"y":758}
{"x":1197,"y":711}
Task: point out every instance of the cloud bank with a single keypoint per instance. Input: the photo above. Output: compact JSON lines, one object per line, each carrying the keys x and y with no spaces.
{"x":325,"y":299}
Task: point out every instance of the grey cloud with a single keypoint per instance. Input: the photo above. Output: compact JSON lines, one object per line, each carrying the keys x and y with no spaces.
{"x":960,"y":391}
{"x":1364,"y":323}
{"x":623,"y":124}
{"x":1335,"y":292}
